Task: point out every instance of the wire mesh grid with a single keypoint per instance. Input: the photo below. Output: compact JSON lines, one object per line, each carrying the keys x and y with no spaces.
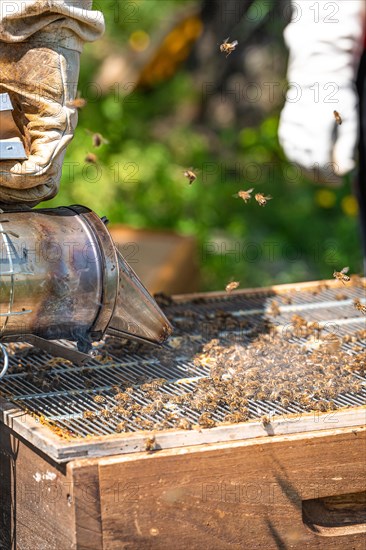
{"x":83,"y":401}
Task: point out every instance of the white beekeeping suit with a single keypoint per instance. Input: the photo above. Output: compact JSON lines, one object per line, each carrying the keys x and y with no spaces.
{"x":325,"y":41}
{"x":40,"y":45}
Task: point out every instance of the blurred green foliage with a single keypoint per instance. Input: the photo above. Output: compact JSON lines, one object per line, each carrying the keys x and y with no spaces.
{"x":302,"y":234}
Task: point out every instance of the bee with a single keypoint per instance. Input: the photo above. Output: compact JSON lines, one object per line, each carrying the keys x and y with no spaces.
{"x":341,"y":275}
{"x":88,"y":414}
{"x":190,"y":175}
{"x":122,"y":397}
{"x":206,"y":421}
{"x":274,"y":309}
{"x":91,"y":158}
{"x":121,"y":427}
{"x":338,"y":117}
{"x":235,"y":417}
{"x":245,"y":195}
{"x":97,"y":139}
{"x":145,"y":424}
{"x":118,"y":409}
{"x":148,"y":409}
{"x":231,"y":286}
{"x":261,"y":199}
{"x":155,"y":384}
{"x":99,"y":399}
{"x":228,"y":47}
{"x":359,"y":306}
{"x":150,"y":444}
{"x":265,"y":420}
{"x":77,"y":103}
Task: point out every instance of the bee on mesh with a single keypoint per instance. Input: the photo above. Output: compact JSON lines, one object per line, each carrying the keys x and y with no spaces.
{"x":342,"y":275}
{"x":99,"y":399}
{"x":206,"y":421}
{"x":262,"y":199}
{"x":245,"y":195}
{"x":359,"y":306}
{"x":228,"y":47}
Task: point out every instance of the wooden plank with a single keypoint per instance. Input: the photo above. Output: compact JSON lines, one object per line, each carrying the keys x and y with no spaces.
{"x":35,"y":512}
{"x":267,"y":290}
{"x":63,"y":450}
{"x":231,"y":496}
{"x":86,"y":503}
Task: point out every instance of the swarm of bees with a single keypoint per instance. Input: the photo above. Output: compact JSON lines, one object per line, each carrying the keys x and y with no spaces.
{"x":342,"y":275}
{"x":190,"y":175}
{"x":337,"y":117}
{"x":228,"y":47}
{"x":230,"y":379}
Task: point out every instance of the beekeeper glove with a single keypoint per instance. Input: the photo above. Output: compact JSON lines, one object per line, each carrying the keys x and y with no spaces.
{"x":325,"y":42}
{"x":40,"y":44}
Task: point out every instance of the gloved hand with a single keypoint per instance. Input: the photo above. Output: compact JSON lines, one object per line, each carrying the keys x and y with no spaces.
{"x":40,"y":82}
{"x":325,"y":44}
{"x":40,"y":44}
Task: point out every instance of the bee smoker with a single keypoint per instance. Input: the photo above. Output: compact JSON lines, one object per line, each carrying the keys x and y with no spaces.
{"x":62,"y":278}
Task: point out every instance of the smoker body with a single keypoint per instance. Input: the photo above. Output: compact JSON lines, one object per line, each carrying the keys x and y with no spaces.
{"x":61,"y":277}
{"x":53,"y":271}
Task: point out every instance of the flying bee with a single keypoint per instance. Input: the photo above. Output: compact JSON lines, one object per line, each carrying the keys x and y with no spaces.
{"x":261,"y":199}
{"x":231,"y":286}
{"x":245,"y":195}
{"x":228,"y":47}
{"x":359,"y":306}
{"x":338,"y":117}
{"x":150,"y":444}
{"x":91,"y":158}
{"x":97,"y":139}
{"x":341,"y":275}
{"x":190,"y":175}
{"x":77,"y":103}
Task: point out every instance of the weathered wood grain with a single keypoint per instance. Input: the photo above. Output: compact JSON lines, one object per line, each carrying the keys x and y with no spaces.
{"x":240,"y":495}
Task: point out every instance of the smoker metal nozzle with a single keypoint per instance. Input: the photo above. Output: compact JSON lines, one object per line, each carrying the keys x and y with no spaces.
{"x":136,"y":314}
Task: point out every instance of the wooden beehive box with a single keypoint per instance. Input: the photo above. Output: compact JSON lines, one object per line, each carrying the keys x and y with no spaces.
{"x":299,"y":482}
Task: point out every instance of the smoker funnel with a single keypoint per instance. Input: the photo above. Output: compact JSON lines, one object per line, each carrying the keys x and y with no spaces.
{"x":136,"y":314}
{"x":62,"y":278}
